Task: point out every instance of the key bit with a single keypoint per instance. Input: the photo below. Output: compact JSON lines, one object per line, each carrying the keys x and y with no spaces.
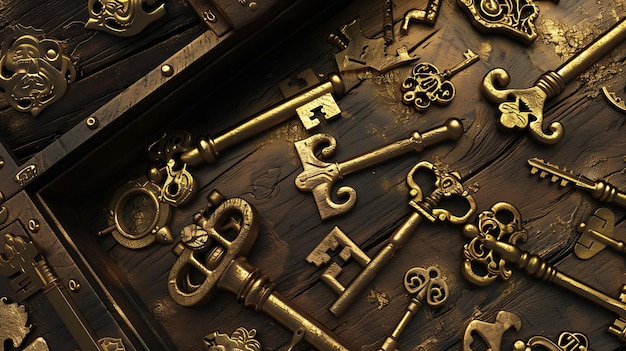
{"x":523,"y":108}
{"x":427,"y":16}
{"x":614,"y":100}
{"x":601,"y":190}
{"x":536,"y":267}
{"x":231,"y":231}
{"x":447,"y":186}
{"x":428,"y":85}
{"x":361,"y":53}
{"x":22,"y":258}
{"x":427,"y":286}
{"x":491,"y":333}
{"x":319,"y":177}
{"x":597,"y":234}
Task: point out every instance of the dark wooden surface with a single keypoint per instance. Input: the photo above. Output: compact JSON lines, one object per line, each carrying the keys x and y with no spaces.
{"x":491,"y":162}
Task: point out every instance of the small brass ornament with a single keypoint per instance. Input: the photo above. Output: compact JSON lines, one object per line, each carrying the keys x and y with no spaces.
{"x":123,"y":18}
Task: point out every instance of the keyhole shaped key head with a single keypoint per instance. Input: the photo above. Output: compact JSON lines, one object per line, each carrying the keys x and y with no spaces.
{"x":232,"y":230}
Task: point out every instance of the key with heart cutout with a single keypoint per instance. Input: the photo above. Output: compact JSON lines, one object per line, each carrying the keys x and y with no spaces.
{"x":523,"y":108}
{"x":215,"y":247}
{"x":447,"y":186}
{"x":536,"y":267}
{"x":601,"y":190}
{"x":319,"y":176}
{"x":426,"y":286}
{"x":23,"y":258}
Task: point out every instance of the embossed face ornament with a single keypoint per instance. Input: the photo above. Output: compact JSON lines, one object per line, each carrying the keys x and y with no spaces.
{"x":33,"y":71}
{"x":122,"y":17}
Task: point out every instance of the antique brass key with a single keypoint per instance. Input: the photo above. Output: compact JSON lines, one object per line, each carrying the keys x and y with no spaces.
{"x":535,"y":267}
{"x":600,"y":190}
{"x":426,"y":286}
{"x":523,"y":108}
{"x":319,"y":177}
{"x":597,"y":234}
{"x":218,"y":254}
{"x":23,"y":258}
{"x":447,"y":185}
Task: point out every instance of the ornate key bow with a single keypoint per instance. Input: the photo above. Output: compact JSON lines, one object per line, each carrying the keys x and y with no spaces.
{"x":504,"y":222}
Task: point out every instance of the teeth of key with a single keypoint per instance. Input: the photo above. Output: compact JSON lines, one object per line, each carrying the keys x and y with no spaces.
{"x":221,"y":259}
{"x":523,"y":108}
{"x":600,"y":190}
{"x":319,"y":176}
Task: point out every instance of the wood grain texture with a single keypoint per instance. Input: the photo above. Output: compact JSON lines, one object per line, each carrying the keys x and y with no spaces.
{"x":263,"y":170}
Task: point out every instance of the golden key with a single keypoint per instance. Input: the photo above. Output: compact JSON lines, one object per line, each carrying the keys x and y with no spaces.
{"x":536,"y":267}
{"x":319,"y":176}
{"x":447,"y":186}
{"x":209,"y":249}
{"x":523,"y":108}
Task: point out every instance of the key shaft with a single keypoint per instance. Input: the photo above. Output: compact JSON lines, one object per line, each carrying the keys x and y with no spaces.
{"x":209,"y":149}
{"x":536,"y":267}
{"x":601,"y":190}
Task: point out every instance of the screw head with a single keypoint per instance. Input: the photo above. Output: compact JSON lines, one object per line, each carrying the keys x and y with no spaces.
{"x":73,"y":285}
{"x":1,"y":162}
{"x":92,"y":122}
{"x":252,"y":5}
{"x":33,"y":225}
{"x":167,"y":70}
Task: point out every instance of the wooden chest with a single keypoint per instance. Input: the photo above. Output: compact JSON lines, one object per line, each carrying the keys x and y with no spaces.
{"x":62,"y":171}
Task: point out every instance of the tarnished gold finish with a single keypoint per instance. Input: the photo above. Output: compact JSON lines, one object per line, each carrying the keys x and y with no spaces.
{"x":39,"y":344}
{"x":491,"y":333}
{"x":427,"y":16}
{"x":123,"y":18}
{"x":324,"y":105}
{"x":362,"y":53}
{"x":428,"y":85}
{"x":223,"y":265}
{"x":521,"y":108}
{"x":515,"y":18}
{"x":209,"y":149}
{"x":241,"y":339}
{"x":568,"y":341}
{"x":13,"y":323}
{"x":597,"y":234}
{"x":111,"y":344}
{"x":138,"y":217}
{"x":34,"y":73}
{"x":447,"y":186}
{"x":600,"y":190}
{"x":319,"y":177}
{"x":535,"y":267}
{"x":425,"y":285}
{"x":614,"y":100}
{"x":22,"y":258}
{"x":482,"y":267}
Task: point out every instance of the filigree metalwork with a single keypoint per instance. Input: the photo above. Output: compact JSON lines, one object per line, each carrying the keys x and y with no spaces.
{"x":482,"y":266}
{"x":568,"y":341}
{"x":123,"y":18}
{"x":13,"y":323}
{"x":514,"y":18}
{"x":241,"y":339}
{"x":34,"y":73}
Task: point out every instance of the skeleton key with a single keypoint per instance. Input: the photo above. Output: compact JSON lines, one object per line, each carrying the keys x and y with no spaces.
{"x":523,"y":108}
{"x":429,"y":85}
{"x":447,"y":185}
{"x":536,"y":267}
{"x":600,"y":190}
{"x":597,"y":234}
{"x":319,"y":177}
{"x":220,"y":258}
{"x":23,"y":258}
{"x":426,"y":286}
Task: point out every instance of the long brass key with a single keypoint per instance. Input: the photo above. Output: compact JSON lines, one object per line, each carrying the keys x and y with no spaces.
{"x":447,"y":186}
{"x":216,"y":248}
{"x":319,"y":176}
{"x":523,"y":108}
{"x":600,"y":190}
{"x":426,"y":286}
{"x":536,"y":267}
{"x":23,"y":258}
